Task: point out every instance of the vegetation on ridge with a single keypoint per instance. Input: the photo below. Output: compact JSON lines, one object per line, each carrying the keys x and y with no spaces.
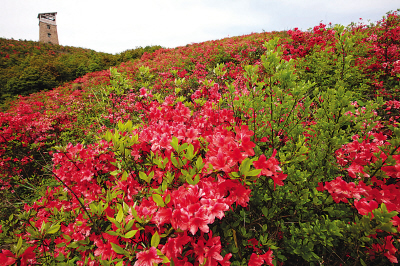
{"x":27,"y":66}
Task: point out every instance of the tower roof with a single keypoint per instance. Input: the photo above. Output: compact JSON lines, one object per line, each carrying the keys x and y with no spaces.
{"x":47,"y":13}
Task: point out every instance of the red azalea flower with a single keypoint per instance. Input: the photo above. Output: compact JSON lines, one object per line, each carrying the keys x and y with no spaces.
{"x":364,"y":207}
{"x":174,"y":246}
{"x":28,"y":255}
{"x":208,"y":250}
{"x":7,"y":258}
{"x":222,"y":161}
{"x":257,"y":260}
{"x":147,"y":258}
{"x":269,"y":168}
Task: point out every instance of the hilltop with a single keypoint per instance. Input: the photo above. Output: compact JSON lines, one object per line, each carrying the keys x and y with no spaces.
{"x":275,"y":148}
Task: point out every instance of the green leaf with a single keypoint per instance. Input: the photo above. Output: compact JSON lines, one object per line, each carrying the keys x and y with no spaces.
{"x":165,"y":162}
{"x":174,"y":161}
{"x":124,"y":176}
{"x":44,"y":227}
{"x":53,"y":229}
{"x":60,"y":257}
{"x":245,"y":166}
{"x":125,"y":207}
{"x":19,"y":244}
{"x":189,"y":153}
{"x":155,"y":240}
{"x":150,"y":177}
{"x":143,"y":176}
{"x":114,"y":173}
{"x":128,"y":125}
{"x":167,"y":199}
{"x":162,"y":256}
{"x":189,"y":180}
{"x":120,"y":215}
{"x":158,"y":199}
{"x":196,"y":179}
{"x":118,"y":249}
{"x":254,"y":172}
{"x":93,"y":207}
{"x":108,"y":136}
{"x":183,"y":147}
{"x":175,"y":143}
{"x":73,"y":245}
{"x":130,"y":234}
{"x":62,"y":244}
{"x":210,"y":168}
{"x":134,"y":214}
{"x":164,"y":186}
{"x":265,"y":211}
{"x":129,"y":225}
{"x":234,"y":174}
{"x":199,"y":163}
{"x":32,"y":231}
{"x":113,"y":233}
{"x":388,"y":227}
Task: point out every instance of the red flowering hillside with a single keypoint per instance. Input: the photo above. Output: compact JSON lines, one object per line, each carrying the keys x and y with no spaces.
{"x":278,"y":148}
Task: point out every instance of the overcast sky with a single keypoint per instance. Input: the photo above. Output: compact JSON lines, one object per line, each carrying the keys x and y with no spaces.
{"x":114,"y":26}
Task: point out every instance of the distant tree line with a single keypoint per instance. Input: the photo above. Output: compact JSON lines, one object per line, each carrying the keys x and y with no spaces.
{"x":27,"y":66}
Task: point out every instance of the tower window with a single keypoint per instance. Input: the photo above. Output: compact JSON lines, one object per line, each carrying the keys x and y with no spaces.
{"x":49,"y":35}
{"x":48,"y":26}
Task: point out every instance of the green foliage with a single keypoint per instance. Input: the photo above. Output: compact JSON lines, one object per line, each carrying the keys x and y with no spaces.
{"x":136,"y":53}
{"x":28,"y":67}
{"x":279,"y":108}
{"x":331,"y":68}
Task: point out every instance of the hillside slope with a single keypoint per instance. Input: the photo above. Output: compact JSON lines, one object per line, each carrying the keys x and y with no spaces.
{"x":27,"y":66}
{"x":278,"y":148}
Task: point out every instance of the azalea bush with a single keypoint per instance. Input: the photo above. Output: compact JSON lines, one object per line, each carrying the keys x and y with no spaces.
{"x":266,"y":149}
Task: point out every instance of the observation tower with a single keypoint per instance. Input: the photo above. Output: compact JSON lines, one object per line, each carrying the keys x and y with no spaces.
{"x":48,"y":28}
